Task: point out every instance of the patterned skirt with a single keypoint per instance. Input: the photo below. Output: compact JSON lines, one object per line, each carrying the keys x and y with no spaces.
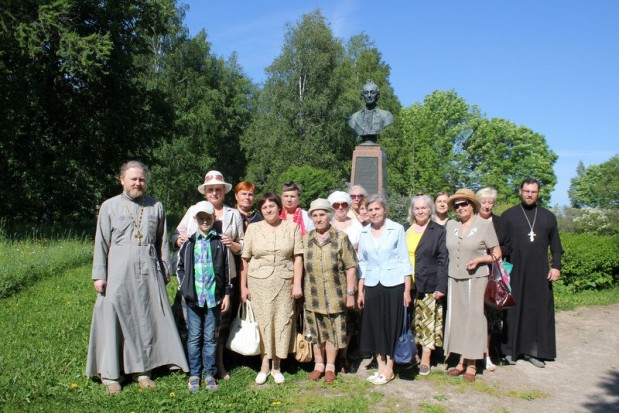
{"x":320,"y":328}
{"x":429,"y":315}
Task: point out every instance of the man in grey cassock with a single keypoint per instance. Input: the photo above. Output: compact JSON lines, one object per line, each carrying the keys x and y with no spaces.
{"x":133,"y":329}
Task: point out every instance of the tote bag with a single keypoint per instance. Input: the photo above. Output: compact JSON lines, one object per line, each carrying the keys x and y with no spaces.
{"x":405,"y":346}
{"x":244,"y":335}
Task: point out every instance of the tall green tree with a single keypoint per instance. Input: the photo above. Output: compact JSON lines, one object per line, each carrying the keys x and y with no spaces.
{"x":312,"y":88}
{"x":427,"y":156}
{"x":211,"y":98}
{"x":73,"y":103}
{"x":596,"y":186}
{"x":502,"y":154}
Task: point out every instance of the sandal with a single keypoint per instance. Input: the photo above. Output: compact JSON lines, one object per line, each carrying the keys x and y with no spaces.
{"x":372,"y":377}
{"x":455,"y":372}
{"x":383,"y":380}
{"x":470,"y":377}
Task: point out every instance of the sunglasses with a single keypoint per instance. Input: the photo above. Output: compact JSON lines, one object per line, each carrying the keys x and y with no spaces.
{"x":337,"y":205}
{"x":359,"y":196}
{"x":460,"y":204}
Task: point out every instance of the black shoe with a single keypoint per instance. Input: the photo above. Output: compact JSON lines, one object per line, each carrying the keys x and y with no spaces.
{"x":535,"y":361}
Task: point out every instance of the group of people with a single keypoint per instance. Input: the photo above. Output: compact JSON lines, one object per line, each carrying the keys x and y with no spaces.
{"x":343,"y":259}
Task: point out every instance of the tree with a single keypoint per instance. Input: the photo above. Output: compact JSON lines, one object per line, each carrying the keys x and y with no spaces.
{"x":73,"y":103}
{"x":596,"y":186}
{"x":501,"y":155}
{"x":427,"y":156}
{"x":311,"y":89}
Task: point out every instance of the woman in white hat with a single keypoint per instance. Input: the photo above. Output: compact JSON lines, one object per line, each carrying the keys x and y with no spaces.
{"x":472,"y":245}
{"x":229,"y":224}
{"x":340,"y":202}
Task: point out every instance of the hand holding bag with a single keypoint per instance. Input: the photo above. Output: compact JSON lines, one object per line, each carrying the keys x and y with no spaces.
{"x":244,"y":335}
{"x":497,"y":294}
{"x":303,"y":348}
{"x":405,"y":348}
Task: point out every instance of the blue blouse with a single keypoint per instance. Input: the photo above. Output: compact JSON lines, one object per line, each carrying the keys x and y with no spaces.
{"x":384,"y":260}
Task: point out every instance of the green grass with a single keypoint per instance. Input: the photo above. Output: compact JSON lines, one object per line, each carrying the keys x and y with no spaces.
{"x":24,"y":262}
{"x":45,"y":324}
{"x":568,"y":300}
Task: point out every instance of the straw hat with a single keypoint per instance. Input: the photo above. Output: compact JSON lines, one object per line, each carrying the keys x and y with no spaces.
{"x":467,"y":194}
{"x":214,"y":178}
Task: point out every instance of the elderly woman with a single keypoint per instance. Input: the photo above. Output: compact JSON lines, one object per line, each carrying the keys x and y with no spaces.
{"x":487,"y":199}
{"x":384,"y":286}
{"x":341,"y":201}
{"x":441,"y":208}
{"x":291,"y":211}
{"x":271,"y":273}
{"x":472,"y":245}
{"x":229,"y":224}
{"x":425,"y":240}
{"x":329,"y":287}
{"x":357,"y":193}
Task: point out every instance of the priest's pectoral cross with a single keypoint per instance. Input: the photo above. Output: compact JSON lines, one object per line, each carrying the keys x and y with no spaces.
{"x":139,"y":236}
{"x":531,"y":235}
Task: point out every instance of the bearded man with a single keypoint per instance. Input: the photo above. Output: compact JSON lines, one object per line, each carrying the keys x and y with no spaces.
{"x":133,"y":329}
{"x":531,"y":231}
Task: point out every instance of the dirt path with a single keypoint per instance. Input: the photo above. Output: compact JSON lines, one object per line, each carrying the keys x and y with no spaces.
{"x":584,"y":378}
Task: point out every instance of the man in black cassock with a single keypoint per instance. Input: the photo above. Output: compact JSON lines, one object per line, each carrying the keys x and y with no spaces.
{"x":530,"y":326}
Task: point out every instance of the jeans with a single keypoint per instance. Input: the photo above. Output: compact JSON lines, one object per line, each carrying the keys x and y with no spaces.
{"x":202,"y":325}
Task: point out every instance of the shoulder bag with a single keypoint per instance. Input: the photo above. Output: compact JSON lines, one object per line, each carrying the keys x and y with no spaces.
{"x":244,"y":335}
{"x":405,"y":346}
{"x":497,"y":294}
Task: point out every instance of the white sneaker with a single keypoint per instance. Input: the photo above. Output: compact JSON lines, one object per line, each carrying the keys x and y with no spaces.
{"x":490,"y":366}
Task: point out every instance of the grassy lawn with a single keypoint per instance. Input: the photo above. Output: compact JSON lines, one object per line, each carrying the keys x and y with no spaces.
{"x":44,"y":340}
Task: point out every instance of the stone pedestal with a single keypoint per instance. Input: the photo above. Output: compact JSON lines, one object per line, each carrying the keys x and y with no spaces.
{"x":369,"y":168}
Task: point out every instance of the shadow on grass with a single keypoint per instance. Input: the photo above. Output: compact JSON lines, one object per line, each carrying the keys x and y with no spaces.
{"x":607,"y":399}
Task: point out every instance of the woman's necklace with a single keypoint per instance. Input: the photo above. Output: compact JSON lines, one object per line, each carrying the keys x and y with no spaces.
{"x":136,"y":224}
{"x":531,"y":234}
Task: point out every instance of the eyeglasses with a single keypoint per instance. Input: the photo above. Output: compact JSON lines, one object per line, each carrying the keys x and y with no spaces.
{"x":215,"y":177}
{"x":337,"y":205}
{"x":357,"y":196}
{"x":461,"y":204}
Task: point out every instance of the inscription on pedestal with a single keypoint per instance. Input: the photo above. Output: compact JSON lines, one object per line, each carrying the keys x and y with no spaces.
{"x":366,"y":173}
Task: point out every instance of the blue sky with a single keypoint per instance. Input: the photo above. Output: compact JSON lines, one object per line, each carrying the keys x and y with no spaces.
{"x":550,"y":65}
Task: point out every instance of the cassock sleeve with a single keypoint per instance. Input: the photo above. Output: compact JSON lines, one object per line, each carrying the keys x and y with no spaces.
{"x":103,"y":237}
{"x":556,"y":249}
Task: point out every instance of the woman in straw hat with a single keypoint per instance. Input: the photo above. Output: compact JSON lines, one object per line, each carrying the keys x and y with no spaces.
{"x":472,"y":245}
{"x":229,"y":224}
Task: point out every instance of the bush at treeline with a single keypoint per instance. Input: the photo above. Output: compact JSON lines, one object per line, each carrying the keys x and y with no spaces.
{"x":590,"y":262}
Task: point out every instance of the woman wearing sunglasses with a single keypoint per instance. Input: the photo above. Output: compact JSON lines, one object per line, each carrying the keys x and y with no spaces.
{"x":472,"y":244}
{"x":341,"y":202}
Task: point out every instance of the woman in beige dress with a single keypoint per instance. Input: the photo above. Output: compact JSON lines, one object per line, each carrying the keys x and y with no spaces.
{"x":470,"y":242}
{"x":272,"y":267}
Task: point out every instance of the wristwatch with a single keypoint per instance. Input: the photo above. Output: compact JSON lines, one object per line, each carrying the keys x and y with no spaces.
{"x":350,"y":293}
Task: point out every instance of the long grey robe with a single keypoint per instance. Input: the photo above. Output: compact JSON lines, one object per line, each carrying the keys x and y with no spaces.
{"x":133,"y":329}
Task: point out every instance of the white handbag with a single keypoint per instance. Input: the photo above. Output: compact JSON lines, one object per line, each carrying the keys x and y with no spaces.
{"x":244,"y":335}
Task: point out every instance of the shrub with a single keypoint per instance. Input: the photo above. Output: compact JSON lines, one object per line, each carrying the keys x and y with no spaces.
{"x":590,"y":262}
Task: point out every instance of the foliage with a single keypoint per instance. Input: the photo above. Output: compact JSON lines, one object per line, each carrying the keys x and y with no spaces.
{"x":596,"y":186}
{"x":211,"y":99}
{"x":311,"y":89}
{"x":588,"y":220}
{"x":567,"y":299}
{"x":315,"y":182}
{"x":22,"y":263}
{"x":501,"y":155}
{"x":74,"y":103}
{"x":427,"y":156}
{"x":447,"y":144}
{"x":590,"y":262}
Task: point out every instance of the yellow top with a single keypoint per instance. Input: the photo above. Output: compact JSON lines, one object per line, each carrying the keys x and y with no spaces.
{"x":412,"y":241}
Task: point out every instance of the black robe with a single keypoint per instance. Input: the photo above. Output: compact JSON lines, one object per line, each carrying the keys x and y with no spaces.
{"x":530,"y":326}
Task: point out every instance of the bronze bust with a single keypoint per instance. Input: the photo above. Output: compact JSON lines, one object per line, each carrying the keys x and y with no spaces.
{"x":368,"y":122}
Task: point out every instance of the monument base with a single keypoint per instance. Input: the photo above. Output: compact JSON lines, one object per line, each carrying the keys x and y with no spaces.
{"x":369,"y":168}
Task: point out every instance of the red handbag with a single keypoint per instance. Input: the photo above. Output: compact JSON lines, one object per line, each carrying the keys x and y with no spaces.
{"x":497,"y":293}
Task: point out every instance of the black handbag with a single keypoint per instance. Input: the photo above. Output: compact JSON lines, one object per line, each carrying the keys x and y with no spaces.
{"x":405,"y":348}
